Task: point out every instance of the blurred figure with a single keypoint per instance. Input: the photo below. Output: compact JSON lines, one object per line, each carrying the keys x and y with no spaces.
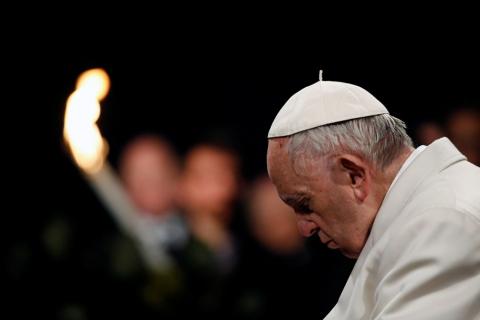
{"x":150,"y":171}
{"x":209,"y":190}
{"x":208,"y":196}
{"x":266,"y":209}
{"x":427,"y":132}
{"x":463,"y":128}
{"x":118,"y":272}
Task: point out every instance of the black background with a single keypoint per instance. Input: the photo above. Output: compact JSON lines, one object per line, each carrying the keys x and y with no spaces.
{"x":187,"y":81}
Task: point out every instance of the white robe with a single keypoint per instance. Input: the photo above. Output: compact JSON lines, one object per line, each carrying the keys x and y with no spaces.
{"x":422,"y":258}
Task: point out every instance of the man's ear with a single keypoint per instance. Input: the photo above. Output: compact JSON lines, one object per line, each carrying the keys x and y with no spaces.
{"x":356,"y":169}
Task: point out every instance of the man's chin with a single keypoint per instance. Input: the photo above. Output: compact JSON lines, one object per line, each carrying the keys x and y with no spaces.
{"x":349,"y":254}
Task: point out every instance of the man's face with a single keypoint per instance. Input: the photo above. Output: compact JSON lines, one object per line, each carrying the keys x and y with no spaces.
{"x":322,"y":198}
{"x":210,"y":183}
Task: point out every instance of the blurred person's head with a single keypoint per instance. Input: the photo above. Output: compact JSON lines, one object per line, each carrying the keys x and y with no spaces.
{"x":428,"y":131}
{"x":272,"y":222}
{"x":210,"y":182}
{"x":463,"y":128}
{"x":149,"y":169}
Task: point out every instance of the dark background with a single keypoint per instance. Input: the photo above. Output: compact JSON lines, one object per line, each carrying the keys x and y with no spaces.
{"x":191,"y":88}
{"x":190,"y":84}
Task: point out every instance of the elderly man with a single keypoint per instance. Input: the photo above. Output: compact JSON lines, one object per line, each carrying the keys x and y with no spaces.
{"x":410,"y":216}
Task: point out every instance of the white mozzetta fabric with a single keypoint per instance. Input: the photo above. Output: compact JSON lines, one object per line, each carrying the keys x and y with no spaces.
{"x":422,"y":257}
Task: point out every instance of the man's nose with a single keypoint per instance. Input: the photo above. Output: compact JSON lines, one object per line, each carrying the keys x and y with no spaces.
{"x":307,"y":228}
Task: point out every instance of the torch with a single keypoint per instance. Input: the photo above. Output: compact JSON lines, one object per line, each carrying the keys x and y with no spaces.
{"x":89,"y":149}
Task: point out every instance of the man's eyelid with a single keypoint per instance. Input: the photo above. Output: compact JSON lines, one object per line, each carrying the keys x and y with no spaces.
{"x":303,"y":206}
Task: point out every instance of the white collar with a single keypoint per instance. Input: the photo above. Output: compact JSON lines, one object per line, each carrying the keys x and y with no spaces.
{"x":407,"y":163}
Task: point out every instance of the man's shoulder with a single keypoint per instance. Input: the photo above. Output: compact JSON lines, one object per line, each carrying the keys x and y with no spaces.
{"x":454,"y":189}
{"x":442,"y":233}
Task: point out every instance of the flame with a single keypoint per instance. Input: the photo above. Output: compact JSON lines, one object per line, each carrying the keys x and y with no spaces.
{"x":80,"y":131}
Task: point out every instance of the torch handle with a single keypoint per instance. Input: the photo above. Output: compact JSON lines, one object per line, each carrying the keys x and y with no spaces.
{"x":110,"y":190}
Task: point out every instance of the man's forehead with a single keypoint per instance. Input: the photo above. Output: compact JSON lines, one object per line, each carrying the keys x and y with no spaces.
{"x":279,"y":170}
{"x":276,"y":145}
{"x":277,"y":151}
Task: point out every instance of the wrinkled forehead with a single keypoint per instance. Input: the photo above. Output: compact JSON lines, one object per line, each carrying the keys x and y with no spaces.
{"x":293,"y":173}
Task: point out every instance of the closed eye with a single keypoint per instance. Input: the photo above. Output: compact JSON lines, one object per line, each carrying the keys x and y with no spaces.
{"x":303,"y":207}
{"x":299,"y":203}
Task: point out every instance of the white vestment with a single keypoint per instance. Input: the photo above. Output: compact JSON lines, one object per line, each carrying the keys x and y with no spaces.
{"x":422,"y":257}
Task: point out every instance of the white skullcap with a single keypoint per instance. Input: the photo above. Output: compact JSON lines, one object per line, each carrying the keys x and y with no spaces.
{"x":322,"y":103}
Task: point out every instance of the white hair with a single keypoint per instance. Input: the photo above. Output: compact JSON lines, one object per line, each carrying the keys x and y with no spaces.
{"x":378,"y":139}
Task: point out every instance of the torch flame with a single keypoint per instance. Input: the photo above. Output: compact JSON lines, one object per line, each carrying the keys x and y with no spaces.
{"x":81,"y":114}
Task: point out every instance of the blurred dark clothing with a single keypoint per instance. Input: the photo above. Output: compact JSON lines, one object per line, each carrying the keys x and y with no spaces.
{"x":71,"y":268}
{"x":77,"y":267}
{"x":302,"y":284}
